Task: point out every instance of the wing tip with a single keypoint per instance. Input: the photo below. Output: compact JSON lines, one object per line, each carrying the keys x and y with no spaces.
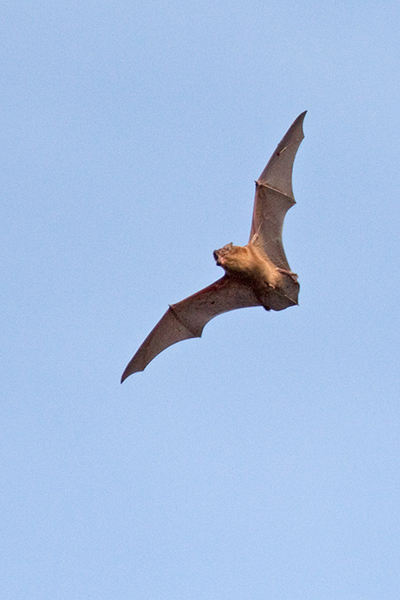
{"x":124,"y":376}
{"x":297,"y":125}
{"x":130,"y":370}
{"x":301,"y":116}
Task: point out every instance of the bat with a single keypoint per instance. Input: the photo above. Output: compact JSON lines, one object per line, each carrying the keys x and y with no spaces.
{"x":257,"y":274}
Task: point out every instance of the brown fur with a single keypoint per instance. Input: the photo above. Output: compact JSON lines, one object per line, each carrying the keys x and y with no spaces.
{"x":252,"y":266}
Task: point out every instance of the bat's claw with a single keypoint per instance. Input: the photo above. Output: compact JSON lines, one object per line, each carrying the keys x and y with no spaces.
{"x":294,"y":276}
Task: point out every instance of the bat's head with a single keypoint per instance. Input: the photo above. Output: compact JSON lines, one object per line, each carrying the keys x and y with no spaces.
{"x":221,"y":254}
{"x":225,"y":257}
{"x":234,"y":259}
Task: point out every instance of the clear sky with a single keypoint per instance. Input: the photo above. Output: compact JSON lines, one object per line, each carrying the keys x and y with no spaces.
{"x":262,"y":461}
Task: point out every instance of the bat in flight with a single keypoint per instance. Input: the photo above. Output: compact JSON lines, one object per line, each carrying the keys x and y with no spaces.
{"x":257,"y":274}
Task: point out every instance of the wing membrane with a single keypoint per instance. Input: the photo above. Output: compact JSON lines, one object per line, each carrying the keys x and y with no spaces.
{"x":187,"y":318}
{"x":274,"y":195}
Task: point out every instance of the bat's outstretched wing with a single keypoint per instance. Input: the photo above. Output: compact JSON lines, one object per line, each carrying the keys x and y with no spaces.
{"x":274,"y":196}
{"x":187,"y":318}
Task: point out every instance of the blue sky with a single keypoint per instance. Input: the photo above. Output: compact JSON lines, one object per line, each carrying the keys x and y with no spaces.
{"x":261,"y":461}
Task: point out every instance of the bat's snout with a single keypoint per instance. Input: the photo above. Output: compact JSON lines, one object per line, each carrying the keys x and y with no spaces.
{"x":216,"y":257}
{"x":219,"y":255}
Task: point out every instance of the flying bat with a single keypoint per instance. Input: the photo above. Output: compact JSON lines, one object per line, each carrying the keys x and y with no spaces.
{"x":257,"y":274}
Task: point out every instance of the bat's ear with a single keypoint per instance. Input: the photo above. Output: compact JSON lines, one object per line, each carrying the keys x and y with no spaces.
{"x":227,"y":247}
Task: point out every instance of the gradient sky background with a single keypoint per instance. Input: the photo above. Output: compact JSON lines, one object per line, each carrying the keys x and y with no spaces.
{"x":262,"y":461}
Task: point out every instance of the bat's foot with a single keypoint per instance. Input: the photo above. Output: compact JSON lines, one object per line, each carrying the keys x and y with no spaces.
{"x":294,"y":276}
